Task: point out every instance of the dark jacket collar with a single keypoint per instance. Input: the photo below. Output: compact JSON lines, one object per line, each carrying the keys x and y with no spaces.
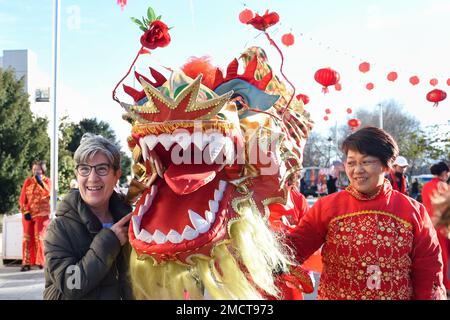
{"x":73,"y":207}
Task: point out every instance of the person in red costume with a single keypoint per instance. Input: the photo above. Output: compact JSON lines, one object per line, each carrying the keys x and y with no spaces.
{"x":377,"y":242}
{"x":441,"y":173}
{"x":397,"y":175}
{"x":34,"y":204}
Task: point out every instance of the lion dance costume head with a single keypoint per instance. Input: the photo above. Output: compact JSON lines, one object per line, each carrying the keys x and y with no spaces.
{"x":209,"y":158}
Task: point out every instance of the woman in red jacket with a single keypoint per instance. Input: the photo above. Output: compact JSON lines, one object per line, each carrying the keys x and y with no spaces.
{"x":441,"y":173}
{"x":34,"y":204}
{"x":377,"y":242}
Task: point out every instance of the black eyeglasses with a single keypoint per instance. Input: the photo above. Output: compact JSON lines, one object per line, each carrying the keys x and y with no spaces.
{"x":101,"y":169}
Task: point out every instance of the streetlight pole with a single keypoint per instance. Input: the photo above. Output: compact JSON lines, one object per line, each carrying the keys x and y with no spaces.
{"x":330,"y":140}
{"x":54,"y":137}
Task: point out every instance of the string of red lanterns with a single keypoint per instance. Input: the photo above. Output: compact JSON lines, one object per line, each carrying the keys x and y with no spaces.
{"x":414,"y":80}
{"x":364,"y":67}
{"x":354,"y":123}
{"x":436,"y":96}
{"x":434,"y":82}
{"x":288,"y":39}
{"x":326,"y":77}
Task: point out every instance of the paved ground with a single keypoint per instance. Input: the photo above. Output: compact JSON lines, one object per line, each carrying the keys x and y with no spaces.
{"x":16,"y":285}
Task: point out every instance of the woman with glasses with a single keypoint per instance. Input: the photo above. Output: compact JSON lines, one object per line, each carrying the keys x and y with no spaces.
{"x":377,"y":242}
{"x":86,"y":245}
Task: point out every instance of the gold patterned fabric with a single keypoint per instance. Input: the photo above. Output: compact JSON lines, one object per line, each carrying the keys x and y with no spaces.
{"x":366,"y":256}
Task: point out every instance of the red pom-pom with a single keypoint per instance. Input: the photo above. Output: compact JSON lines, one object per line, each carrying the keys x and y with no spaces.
{"x":202,"y":65}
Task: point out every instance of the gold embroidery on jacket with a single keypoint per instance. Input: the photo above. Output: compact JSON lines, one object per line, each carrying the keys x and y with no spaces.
{"x":363,"y":246}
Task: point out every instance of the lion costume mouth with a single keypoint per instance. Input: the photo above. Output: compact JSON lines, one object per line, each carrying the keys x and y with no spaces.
{"x":187,"y":209}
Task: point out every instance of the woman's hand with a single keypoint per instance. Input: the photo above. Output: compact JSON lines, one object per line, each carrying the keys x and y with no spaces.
{"x":120,"y":228}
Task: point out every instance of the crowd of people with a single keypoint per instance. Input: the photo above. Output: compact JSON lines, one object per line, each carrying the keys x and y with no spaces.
{"x":371,"y":235}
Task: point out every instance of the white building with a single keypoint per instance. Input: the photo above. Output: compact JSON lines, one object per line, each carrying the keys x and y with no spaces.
{"x":37,"y":85}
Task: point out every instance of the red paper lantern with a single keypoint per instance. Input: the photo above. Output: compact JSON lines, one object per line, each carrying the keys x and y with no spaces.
{"x":338,"y":87}
{"x":436,"y":96}
{"x":245,"y":15}
{"x":354,"y":123}
{"x":303,"y":97}
{"x":414,"y":80}
{"x":364,"y":67}
{"x":326,"y":77}
{"x":287,"y":39}
{"x":369,"y":86}
{"x":325,"y":118}
{"x":327,"y":111}
{"x":448,"y":81}
{"x":392,"y":76}
{"x":434,"y":82}
{"x":349,"y":110}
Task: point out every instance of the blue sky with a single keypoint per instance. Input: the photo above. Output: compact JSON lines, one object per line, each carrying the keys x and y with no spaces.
{"x":99,"y":42}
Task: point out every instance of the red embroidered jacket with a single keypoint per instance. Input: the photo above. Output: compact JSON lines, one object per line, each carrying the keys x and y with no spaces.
{"x":382,"y":247}
{"x":34,"y":198}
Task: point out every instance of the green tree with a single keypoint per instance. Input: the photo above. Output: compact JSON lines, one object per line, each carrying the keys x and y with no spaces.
{"x":23,"y":138}
{"x":318,"y":151}
{"x":396,"y":120}
{"x":66,"y":164}
{"x":73,"y":132}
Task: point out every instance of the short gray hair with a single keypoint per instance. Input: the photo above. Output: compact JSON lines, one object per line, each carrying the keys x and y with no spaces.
{"x":91,"y":144}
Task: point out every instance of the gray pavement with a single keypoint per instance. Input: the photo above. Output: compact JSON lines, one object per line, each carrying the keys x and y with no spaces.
{"x":16,"y":285}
